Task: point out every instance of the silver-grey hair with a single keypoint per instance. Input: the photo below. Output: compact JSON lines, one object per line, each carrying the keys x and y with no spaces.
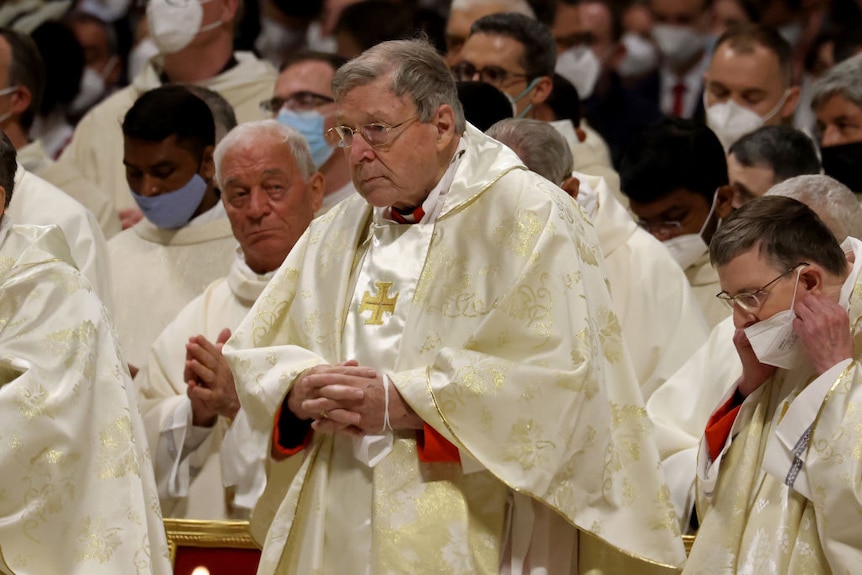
{"x":518,"y":6}
{"x":844,"y":79}
{"x":260,"y":133}
{"x":539,"y":145}
{"x":836,"y":205}
{"x":414,"y":69}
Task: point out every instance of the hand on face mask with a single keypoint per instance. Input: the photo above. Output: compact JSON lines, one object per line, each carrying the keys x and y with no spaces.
{"x":774,"y":340}
{"x":823,"y":327}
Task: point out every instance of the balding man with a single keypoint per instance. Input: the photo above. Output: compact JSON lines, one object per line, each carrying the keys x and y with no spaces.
{"x":195,"y":40}
{"x":650,"y":292}
{"x":197,"y":432}
{"x":681,"y":407}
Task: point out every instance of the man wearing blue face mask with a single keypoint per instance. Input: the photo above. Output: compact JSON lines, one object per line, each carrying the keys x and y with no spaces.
{"x":302,"y":100}
{"x":184,"y":241}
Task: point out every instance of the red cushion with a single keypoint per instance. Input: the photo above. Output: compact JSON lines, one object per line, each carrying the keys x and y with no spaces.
{"x":219,"y":561}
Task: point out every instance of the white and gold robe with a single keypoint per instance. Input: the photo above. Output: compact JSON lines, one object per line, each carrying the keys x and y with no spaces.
{"x":192,"y":463}
{"x":37,"y":202}
{"x":157,"y":271}
{"x":67,"y":178}
{"x":650,"y":292}
{"x":503,"y":340}
{"x":96,"y":147}
{"x":77,"y":495}
{"x":704,"y":281}
{"x":681,"y":407}
{"x":784,"y":495}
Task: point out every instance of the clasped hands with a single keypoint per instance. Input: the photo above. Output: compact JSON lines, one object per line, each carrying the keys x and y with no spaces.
{"x":348,"y":398}
{"x":823,"y":327}
{"x":209,"y":380}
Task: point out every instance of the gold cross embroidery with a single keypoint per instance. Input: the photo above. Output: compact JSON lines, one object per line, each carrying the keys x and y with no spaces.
{"x":379,"y":304}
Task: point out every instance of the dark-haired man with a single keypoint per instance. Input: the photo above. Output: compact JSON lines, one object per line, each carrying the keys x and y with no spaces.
{"x":516,"y":54}
{"x":675,"y":176}
{"x":196,"y":46}
{"x":184,"y":241}
{"x":778,"y":466}
{"x":767,"y":156}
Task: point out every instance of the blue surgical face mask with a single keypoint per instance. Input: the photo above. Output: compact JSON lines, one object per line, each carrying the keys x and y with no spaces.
{"x":514,"y":100}
{"x":310,"y":125}
{"x":174,"y":209}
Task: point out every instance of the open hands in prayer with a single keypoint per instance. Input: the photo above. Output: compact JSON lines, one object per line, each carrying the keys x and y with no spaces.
{"x":348,"y":398}
{"x":754,"y":373}
{"x":823,"y":327}
{"x":210,"y":382}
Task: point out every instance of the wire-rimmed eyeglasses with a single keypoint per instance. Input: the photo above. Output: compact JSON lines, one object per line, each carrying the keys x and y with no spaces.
{"x":752,"y":301}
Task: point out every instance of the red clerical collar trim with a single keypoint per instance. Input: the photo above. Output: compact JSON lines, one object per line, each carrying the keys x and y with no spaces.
{"x":408,"y":218}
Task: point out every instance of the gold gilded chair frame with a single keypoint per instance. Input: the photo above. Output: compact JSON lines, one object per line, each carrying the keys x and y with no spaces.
{"x":213,"y":534}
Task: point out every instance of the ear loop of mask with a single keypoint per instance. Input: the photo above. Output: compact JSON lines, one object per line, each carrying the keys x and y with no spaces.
{"x":709,"y":215}
{"x":795,"y":287}
{"x":525,"y":91}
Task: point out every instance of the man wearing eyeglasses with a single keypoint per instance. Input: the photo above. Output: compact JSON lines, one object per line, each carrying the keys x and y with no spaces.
{"x":516,"y":54}
{"x":675,"y":176}
{"x":778,"y":468}
{"x":682,"y":406}
{"x":440,"y":353}
{"x":302,"y":100}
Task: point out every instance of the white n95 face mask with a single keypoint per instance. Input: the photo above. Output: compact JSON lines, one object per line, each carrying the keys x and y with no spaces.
{"x":688,"y":248}
{"x":773,"y":340}
{"x":580,"y":66}
{"x":641,"y":56}
{"x":730,"y":121}
{"x":175,"y":23}
{"x":678,"y":44}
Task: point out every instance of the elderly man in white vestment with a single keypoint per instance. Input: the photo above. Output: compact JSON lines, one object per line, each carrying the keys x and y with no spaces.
{"x":197,"y":432}
{"x":184,"y":243}
{"x":681,"y":407}
{"x":22,"y":83}
{"x":195,"y":39}
{"x":778,"y":468}
{"x":650,"y":292}
{"x":441,"y":354}
{"x":77,"y":494}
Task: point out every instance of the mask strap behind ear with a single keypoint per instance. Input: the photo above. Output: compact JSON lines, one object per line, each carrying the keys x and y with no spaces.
{"x":796,"y":287}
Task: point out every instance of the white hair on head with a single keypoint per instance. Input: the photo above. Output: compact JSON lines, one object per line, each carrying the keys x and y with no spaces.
{"x":539,"y":145}
{"x":258,"y":134}
{"x":518,"y":6}
{"x":832,"y":201}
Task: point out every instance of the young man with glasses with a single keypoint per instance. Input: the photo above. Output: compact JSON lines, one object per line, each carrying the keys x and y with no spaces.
{"x":681,"y":408}
{"x":778,"y":468}
{"x":302,"y":100}
{"x":424,"y":338}
{"x":675,"y":176}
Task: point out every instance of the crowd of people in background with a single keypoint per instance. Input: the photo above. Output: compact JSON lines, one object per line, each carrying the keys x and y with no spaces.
{"x":591,"y":264}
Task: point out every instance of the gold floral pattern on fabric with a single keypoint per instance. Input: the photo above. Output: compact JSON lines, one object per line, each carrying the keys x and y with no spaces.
{"x":115,"y":454}
{"x":97,"y":541}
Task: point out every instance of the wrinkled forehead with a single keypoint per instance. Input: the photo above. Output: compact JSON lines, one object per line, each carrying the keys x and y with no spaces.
{"x":373,"y":102}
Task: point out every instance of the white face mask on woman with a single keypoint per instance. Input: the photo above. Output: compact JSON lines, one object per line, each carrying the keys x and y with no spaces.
{"x":773,"y":340}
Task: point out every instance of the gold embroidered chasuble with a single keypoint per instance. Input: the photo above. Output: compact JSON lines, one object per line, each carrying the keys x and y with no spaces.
{"x":509,"y":349}
{"x":77,"y":494}
{"x":784,"y":495}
